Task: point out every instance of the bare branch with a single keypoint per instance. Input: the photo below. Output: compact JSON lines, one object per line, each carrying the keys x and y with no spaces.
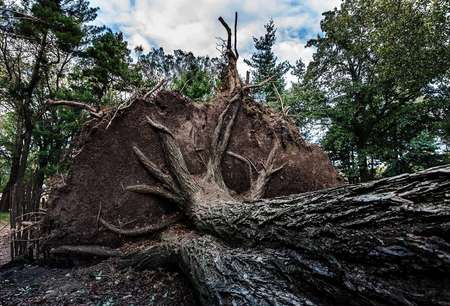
{"x":143,"y":230}
{"x":227,"y":28}
{"x":284,"y":110}
{"x":262,"y":83}
{"x":92,"y":110}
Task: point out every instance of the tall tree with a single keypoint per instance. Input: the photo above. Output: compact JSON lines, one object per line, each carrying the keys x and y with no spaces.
{"x":106,"y":65}
{"x":374,"y":63}
{"x":265,"y":65}
{"x":37,"y":36}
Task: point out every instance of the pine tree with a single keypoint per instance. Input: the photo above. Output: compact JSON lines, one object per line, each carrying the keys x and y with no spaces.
{"x":264,"y":64}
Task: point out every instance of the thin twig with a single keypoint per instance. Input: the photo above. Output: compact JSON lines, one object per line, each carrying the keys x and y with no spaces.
{"x":262,"y":83}
{"x":76,"y":104}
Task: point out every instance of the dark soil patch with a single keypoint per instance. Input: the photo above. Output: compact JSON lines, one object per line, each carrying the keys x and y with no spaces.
{"x":99,"y":284}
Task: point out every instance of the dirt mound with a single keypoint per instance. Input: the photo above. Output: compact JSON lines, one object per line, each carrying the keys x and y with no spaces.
{"x":106,"y":164}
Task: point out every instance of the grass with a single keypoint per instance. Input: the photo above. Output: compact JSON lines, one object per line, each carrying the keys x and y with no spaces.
{"x":4,"y":217}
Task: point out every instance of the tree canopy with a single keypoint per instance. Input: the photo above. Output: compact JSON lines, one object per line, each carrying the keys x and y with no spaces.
{"x":377,"y":66}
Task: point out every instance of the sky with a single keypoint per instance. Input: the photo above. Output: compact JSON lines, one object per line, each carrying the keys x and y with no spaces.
{"x":192,"y":25}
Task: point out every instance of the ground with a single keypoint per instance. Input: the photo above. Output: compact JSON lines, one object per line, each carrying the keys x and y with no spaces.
{"x":4,"y":239}
{"x":93,"y":284}
{"x":99,"y":284}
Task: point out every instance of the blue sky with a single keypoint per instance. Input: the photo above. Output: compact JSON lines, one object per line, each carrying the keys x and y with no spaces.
{"x":192,"y":25}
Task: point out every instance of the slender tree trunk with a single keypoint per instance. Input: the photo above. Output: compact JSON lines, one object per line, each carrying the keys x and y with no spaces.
{"x":18,"y":164}
{"x":24,"y":129}
{"x":361,"y":157}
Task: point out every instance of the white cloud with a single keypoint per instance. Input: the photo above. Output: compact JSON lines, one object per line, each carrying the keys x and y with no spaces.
{"x":193,"y":26}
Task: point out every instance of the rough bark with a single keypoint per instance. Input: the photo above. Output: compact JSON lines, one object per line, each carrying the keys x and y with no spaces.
{"x":380,"y":243}
{"x":417,"y":204}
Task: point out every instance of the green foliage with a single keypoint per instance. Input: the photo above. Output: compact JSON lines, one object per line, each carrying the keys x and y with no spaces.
{"x":264,"y":64}
{"x":4,"y":217}
{"x":420,"y":153}
{"x":46,"y":37}
{"x":106,"y":66}
{"x":374,"y":64}
{"x":7,"y":132}
{"x":195,"y":76}
{"x":195,"y":84}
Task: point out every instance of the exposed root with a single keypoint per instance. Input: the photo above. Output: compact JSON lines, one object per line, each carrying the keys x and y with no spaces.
{"x":265,"y":174}
{"x":175,"y":160}
{"x":258,"y":188}
{"x":164,"y":179}
{"x":86,"y":250}
{"x":150,"y":229}
{"x":220,"y":141}
{"x":245,"y":160}
{"x":158,"y":191}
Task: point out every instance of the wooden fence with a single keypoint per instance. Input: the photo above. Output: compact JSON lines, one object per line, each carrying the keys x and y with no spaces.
{"x":26,"y":222}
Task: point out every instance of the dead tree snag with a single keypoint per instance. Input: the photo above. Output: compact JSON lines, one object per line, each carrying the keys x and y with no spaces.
{"x":232,"y":80}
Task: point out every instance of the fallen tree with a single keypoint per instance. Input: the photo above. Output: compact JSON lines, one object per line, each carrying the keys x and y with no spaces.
{"x":384,"y":242}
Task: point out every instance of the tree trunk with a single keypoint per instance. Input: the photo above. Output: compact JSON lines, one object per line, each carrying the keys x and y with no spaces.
{"x":18,"y":167}
{"x":379,"y":243}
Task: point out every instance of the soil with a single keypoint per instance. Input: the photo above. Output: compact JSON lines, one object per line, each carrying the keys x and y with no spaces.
{"x":106,"y":164}
{"x":99,"y":284}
